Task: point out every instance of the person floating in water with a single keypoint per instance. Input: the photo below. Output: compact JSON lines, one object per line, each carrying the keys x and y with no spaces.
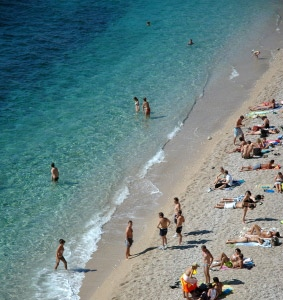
{"x":54,"y":173}
{"x":148,"y":23}
{"x":137,"y":104}
{"x":146,"y":108}
{"x":190,"y":42}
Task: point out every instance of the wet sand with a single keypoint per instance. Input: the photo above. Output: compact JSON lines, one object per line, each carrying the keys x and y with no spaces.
{"x":191,"y":164}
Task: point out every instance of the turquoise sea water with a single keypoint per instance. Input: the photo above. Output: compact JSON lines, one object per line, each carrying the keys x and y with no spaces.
{"x":69,"y":72}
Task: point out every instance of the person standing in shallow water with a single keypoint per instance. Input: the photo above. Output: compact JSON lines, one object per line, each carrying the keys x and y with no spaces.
{"x":129,"y":238}
{"x":54,"y":173}
{"x":137,"y":104}
{"x":146,"y":108}
{"x":59,"y":254}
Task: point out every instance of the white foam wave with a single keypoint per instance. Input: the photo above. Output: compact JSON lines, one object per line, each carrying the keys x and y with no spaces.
{"x":121,"y":195}
{"x":234,"y":73}
{"x":52,"y":284}
{"x":171,"y":135}
{"x":157,"y":159}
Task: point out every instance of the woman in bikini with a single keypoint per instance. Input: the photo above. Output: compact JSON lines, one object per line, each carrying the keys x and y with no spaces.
{"x":207,"y":261}
{"x":246,"y":240}
{"x":146,"y":108}
{"x":278,"y":182}
{"x":259,"y":232}
{"x":137,"y":104}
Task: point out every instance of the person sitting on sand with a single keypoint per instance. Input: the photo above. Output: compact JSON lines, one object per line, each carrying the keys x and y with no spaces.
{"x":259,"y":166}
{"x":256,"y":230}
{"x":188,"y":282}
{"x":228,"y":182}
{"x":238,"y":148}
{"x":247,"y":150}
{"x":278,"y":182}
{"x":264,"y":106}
{"x":246,"y":240}
{"x":228,"y":262}
{"x":220,"y":177}
{"x":218,"y":285}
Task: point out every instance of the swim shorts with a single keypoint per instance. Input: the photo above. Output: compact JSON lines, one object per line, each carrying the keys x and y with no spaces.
{"x":179,"y":229}
{"x":238,"y":132}
{"x":163,"y":231}
{"x":129,"y":242}
{"x":256,"y":166}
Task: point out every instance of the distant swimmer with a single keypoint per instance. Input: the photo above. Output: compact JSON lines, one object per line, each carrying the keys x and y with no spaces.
{"x":146,"y":108}
{"x":137,"y":104}
{"x":129,"y":238}
{"x":54,"y":173}
{"x":59,"y":254}
{"x":148,"y":23}
{"x":190,"y":42}
{"x":256,"y":53}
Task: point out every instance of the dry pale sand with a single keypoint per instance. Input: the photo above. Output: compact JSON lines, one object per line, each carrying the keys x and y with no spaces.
{"x":149,"y":275}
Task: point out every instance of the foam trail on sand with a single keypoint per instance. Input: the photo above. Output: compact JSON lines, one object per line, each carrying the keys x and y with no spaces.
{"x":157,"y":159}
{"x":234,"y":73}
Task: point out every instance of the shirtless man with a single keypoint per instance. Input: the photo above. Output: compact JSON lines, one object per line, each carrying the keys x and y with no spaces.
{"x":207,"y":261}
{"x":146,"y":108}
{"x":259,"y":232}
{"x":238,"y":130}
{"x":267,"y":166}
{"x":54,"y":173}
{"x":177,"y":208}
{"x":163,"y":228}
{"x":240,"y":147}
{"x":179,"y":225}
{"x":247,"y":150}
{"x":129,"y":238}
{"x":59,"y":255}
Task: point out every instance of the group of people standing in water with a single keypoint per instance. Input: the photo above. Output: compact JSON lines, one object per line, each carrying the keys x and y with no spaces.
{"x":145,"y":106}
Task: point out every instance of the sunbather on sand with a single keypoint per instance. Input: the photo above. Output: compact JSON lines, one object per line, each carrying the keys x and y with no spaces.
{"x":225,"y":260}
{"x":238,"y":148}
{"x":269,"y":131}
{"x":264,"y":106}
{"x":257,"y":231}
{"x":246,"y":240}
{"x":258,"y":166}
{"x":233,"y":205}
{"x":255,"y":199}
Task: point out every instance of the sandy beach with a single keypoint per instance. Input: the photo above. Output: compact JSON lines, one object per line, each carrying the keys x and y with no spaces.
{"x":188,"y":173}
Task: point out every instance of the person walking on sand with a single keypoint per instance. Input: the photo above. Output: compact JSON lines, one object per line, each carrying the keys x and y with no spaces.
{"x":238,"y":130}
{"x":163,"y":229}
{"x":179,"y":225}
{"x":54,"y":173}
{"x":129,"y":238}
{"x":146,"y":108}
{"x":207,"y":261}
{"x":137,"y":104}
{"x":59,"y":254}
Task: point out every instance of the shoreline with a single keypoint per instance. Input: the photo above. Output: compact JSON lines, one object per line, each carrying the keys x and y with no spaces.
{"x":172,"y":180}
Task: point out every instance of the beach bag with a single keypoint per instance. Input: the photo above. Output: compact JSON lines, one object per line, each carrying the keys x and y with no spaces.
{"x":275,"y":241}
{"x":257,"y":152}
{"x":263,"y":133}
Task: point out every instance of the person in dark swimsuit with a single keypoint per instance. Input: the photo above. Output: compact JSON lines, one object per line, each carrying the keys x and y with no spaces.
{"x":129,"y":238}
{"x":163,"y":228}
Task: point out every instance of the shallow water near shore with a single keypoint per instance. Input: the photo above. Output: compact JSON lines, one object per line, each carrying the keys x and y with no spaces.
{"x":69,"y":76}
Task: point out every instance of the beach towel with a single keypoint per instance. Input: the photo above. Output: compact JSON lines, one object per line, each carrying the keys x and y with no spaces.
{"x":234,"y":184}
{"x":226,"y":290}
{"x":266,"y":244}
{"x":254,"y":114}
